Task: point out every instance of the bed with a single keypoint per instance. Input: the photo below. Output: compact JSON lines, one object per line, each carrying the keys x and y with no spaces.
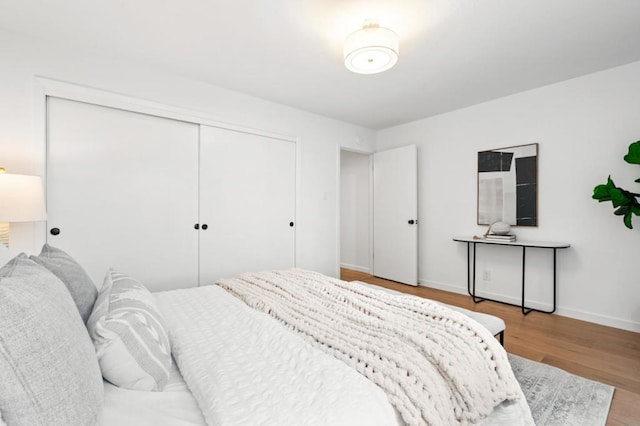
{"x":226,"y":355}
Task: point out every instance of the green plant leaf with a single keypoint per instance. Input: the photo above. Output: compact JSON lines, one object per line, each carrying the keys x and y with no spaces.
{"x":619,"y":198}
{"x":625,"y":202}
{"x":603,"y":192}
{"x":622,"y":210}
{"x":633,"y":156}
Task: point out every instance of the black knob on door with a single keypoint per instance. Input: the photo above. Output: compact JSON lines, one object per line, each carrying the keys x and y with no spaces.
{"x":205,"y":226}
{"x":291,"y":224}
{"x":196,"y":226}
{"x":411,"y":222}
{"x":54,"y":231}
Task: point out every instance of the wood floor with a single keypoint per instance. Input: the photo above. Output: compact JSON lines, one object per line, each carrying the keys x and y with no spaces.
{"x":608,"y":355}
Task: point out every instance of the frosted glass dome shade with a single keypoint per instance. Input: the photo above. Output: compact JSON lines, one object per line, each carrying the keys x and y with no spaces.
{"x":371,"y":50}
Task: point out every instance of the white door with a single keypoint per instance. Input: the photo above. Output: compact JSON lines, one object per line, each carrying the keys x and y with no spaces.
{"x":247,"y":203}
{"x":122,"y":191}
{"x":395,"y":214}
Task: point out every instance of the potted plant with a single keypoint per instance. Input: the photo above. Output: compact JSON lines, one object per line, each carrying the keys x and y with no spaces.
{"x":625,"y":202}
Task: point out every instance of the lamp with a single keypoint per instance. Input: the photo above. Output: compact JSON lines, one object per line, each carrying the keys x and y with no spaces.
{"x":21,"y":200}
{"x":371,"y":50}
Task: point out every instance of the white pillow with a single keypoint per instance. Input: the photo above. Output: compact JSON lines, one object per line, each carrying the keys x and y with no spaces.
{"x":129,"y":335}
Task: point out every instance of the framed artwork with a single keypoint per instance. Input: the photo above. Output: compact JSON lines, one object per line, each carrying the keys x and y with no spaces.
{"x":508,"y":185}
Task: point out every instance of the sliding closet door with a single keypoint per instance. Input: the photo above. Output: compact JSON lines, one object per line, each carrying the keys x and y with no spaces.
{"x":247,"y":202}
{"x":122,"y":192}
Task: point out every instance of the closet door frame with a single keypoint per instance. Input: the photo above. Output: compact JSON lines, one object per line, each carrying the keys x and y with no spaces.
{"x":46,"y":87}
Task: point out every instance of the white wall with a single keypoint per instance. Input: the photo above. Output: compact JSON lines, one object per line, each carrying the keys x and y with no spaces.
{"x":355,"y":190}
{"x":584,"y":127}
{"x":22,"y":143}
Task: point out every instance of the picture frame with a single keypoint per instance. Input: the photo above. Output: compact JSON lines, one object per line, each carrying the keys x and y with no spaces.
{"x":508,"y":185}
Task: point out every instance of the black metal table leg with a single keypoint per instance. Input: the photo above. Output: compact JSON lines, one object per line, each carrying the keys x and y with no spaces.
{"x":469,"y":269}
{"x":555,"y":293}
{"x":525,"y":311}
{"x":473,"y":294}
{"x":473,"y":291}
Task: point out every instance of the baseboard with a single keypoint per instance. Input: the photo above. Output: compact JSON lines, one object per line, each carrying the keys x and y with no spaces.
{"x":355,"y":268}
{"x":600,"y":319}
{"x":566,"y":312}
{"x":487,"y":294}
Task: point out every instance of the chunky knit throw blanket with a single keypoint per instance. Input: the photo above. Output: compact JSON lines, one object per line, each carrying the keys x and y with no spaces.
{"x":437,"y":366}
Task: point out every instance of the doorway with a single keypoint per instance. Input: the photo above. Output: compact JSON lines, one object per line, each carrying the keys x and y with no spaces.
{"x":355,"y":211}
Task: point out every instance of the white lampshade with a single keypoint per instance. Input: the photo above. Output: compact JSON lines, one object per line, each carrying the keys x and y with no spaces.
{"x":371,"y":50}
{"x":21,"y":198}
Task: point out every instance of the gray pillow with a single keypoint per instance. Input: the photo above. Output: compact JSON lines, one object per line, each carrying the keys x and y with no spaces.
{"x":49,"y":373}
{"x":78,"y":282}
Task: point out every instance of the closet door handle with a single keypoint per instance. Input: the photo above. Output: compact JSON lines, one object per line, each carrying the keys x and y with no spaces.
{"x":291,"y":224}
{"x":411,"y":221}
{"x":204,"y":226}
{"x":55,"y":231}
{"x":196,"y":226}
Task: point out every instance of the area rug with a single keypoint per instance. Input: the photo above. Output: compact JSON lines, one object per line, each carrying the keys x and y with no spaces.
{"x":560,"y":398}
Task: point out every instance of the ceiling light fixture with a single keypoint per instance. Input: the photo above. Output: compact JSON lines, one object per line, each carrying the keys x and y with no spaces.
{"x":371,"y":50}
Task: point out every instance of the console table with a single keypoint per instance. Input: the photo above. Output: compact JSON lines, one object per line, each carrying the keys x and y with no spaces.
{"x":471,"y":273}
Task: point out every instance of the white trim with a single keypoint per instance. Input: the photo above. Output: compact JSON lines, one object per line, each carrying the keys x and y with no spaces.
{"x":40,"y":135}
{"x":371,"y":212}
{"x":492,"y":295}
{"x":338,"y":211}
{"x":567,"y":312}
{"x":80,"y":93}
{"x":297,"y":207}
{"x":600,"y":319}
{"x":355,"y":267}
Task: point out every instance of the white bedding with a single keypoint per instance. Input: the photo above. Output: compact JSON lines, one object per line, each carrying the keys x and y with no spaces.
{"x":435,"y":365}
{"x":175,"y":406}
{"x":247,"y":369}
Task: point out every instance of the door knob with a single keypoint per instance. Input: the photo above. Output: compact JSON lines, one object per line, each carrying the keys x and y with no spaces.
{"x":196,"y":226}
{"x":411,"y":221}
{"x":54,"y":231}
{"x":204,"y":226}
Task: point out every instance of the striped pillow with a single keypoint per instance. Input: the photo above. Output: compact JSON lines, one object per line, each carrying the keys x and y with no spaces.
{"x":130,"y":335}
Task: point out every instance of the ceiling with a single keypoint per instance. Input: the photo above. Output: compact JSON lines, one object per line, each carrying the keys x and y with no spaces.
{"x":453,"y":53}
